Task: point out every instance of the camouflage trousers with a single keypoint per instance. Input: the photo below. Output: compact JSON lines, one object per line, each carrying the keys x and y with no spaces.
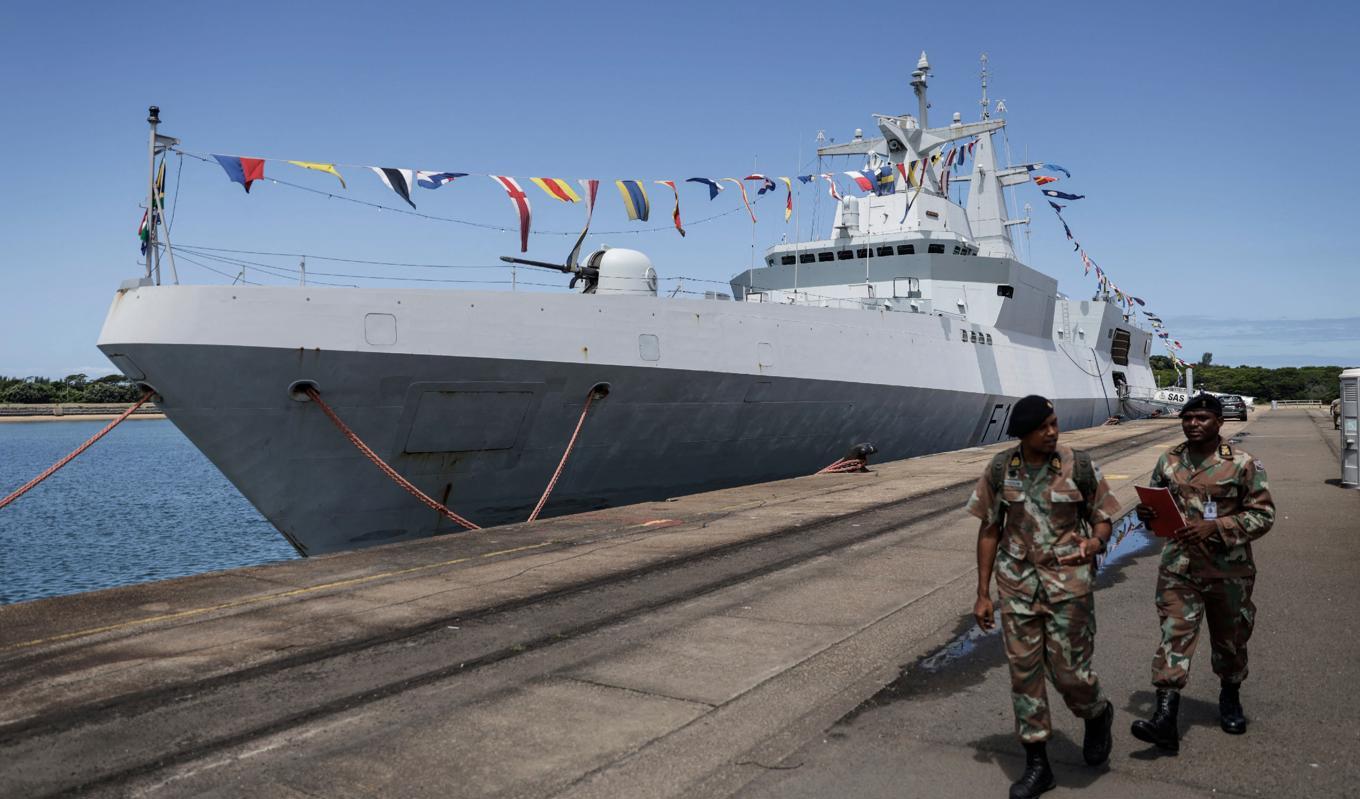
{"x":1182,"y":601}
{"x":1053,"y":639}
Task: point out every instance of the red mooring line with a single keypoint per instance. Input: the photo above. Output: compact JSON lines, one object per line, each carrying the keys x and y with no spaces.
{"x":354,"y":439}
{"x":51,"y":470}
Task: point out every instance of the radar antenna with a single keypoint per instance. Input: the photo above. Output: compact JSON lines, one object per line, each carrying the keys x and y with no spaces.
{"x":918,"y":84}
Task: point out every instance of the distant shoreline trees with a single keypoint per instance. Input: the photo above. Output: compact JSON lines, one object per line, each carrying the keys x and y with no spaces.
{"x":69,"y":389}
{"x":1285,"y":383}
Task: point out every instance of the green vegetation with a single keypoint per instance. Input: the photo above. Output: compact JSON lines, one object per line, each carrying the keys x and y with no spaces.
{"x":1285,"y":383}
{"x":72,"y":388}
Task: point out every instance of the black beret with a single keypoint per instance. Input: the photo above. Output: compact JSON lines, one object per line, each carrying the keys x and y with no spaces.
{"x":1203,"y":402}
{"x":1029,"y":415}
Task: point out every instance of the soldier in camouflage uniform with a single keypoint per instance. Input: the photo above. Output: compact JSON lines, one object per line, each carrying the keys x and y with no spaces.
{"x":1046,"y":513}
{"x":1207,"y":571}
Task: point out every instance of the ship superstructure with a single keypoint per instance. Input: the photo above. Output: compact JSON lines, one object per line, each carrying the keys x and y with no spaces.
{"x":914,"y":326}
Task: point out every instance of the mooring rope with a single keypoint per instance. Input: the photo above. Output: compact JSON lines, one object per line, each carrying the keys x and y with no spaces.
{"x":562,"y":463}
{"x":368,"y":452}
{"x":844,"y":466}
{"x":315,"y":396}
{"x":51,"y":470}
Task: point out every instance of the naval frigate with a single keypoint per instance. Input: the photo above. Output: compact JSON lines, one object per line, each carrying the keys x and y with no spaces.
{"x":913,"y":326}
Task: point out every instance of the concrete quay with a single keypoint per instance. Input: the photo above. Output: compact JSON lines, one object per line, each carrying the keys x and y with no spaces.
{"x":698,"y":647}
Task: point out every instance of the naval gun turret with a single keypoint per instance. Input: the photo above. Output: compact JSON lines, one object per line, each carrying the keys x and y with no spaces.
{"x":608,"y":270}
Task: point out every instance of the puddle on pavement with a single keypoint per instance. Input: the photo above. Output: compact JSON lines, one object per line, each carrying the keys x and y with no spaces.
{"x":971,"y":652}
{"x":1129,"y":538}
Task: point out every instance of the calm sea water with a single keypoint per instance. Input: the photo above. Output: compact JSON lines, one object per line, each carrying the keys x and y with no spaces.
{"x":140,"y":505}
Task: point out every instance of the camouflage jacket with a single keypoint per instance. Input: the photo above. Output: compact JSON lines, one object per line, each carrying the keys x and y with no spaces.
{"x":1236,"y":483}
{"x":1041,"y":524}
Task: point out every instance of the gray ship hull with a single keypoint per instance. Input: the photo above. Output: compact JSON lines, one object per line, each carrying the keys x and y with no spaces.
{"x":484,"y":435}
{"x":912,"y":326}
{"x":473,"y":396}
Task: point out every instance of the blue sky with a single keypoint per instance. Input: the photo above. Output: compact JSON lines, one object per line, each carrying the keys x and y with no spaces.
{"x":1211,"y":140}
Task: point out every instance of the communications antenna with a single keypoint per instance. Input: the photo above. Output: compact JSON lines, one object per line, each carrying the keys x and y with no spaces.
{"x":986,"y":105}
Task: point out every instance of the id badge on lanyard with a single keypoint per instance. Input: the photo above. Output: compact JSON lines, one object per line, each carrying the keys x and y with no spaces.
{"x":1210,"y":510}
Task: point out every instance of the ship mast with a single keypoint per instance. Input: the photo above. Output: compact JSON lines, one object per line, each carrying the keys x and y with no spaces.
{"x":152,"y":259}
{"x":986,"y":105}
{"x":918,"y":85}
{"x":155,"y":215}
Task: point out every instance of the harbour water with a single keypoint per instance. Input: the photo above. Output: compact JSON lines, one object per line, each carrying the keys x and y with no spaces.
{"x":142,"y":504}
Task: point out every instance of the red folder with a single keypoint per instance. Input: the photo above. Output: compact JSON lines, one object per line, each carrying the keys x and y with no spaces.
{"x":1169,"y":518}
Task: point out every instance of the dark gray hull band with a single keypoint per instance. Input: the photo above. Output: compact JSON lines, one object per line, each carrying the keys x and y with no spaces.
{"x":484,"y":435}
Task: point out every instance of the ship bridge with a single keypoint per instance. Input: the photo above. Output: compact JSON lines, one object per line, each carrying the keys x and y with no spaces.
{"x":911,"y":249}
{"x":940,"y":275}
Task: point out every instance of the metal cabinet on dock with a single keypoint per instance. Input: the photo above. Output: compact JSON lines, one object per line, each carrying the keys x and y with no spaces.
{"x":1350,"y":428}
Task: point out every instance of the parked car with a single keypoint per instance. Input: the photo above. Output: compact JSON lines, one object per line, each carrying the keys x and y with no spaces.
{"x":1233,"y":407}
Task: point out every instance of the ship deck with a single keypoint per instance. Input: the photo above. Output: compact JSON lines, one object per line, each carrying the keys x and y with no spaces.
{"x":701,"y":646}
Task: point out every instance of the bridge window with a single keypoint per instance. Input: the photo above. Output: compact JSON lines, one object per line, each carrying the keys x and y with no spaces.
{"x":807,"y":258}
{"x":826,"y":256}
{"x":936,"y":249}
{"x":964,"y":334}
{"x":989,"y":339}
{"x":957,"y":249}
{"x":787,"y":259}
{"x":906,"y":249}
{"x":972,"y":337}
{"x":885,"y":250}
{"x":863,"y":253}
{"x":845,"y":255}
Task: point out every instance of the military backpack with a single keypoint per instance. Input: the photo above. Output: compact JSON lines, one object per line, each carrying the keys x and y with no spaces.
{"x":1083,"y":474}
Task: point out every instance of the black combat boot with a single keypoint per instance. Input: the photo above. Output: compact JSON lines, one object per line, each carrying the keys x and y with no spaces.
{"x":1230,"y":716}
{"x":1038,"y":776}
{"x":1161,"y":731}
{"x":1095,"y":748}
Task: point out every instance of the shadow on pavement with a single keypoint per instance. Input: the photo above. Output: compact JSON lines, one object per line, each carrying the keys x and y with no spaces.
{"x":1064,"y":754}
{"x":1193,"y":713}
{"x":970,"y":653}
